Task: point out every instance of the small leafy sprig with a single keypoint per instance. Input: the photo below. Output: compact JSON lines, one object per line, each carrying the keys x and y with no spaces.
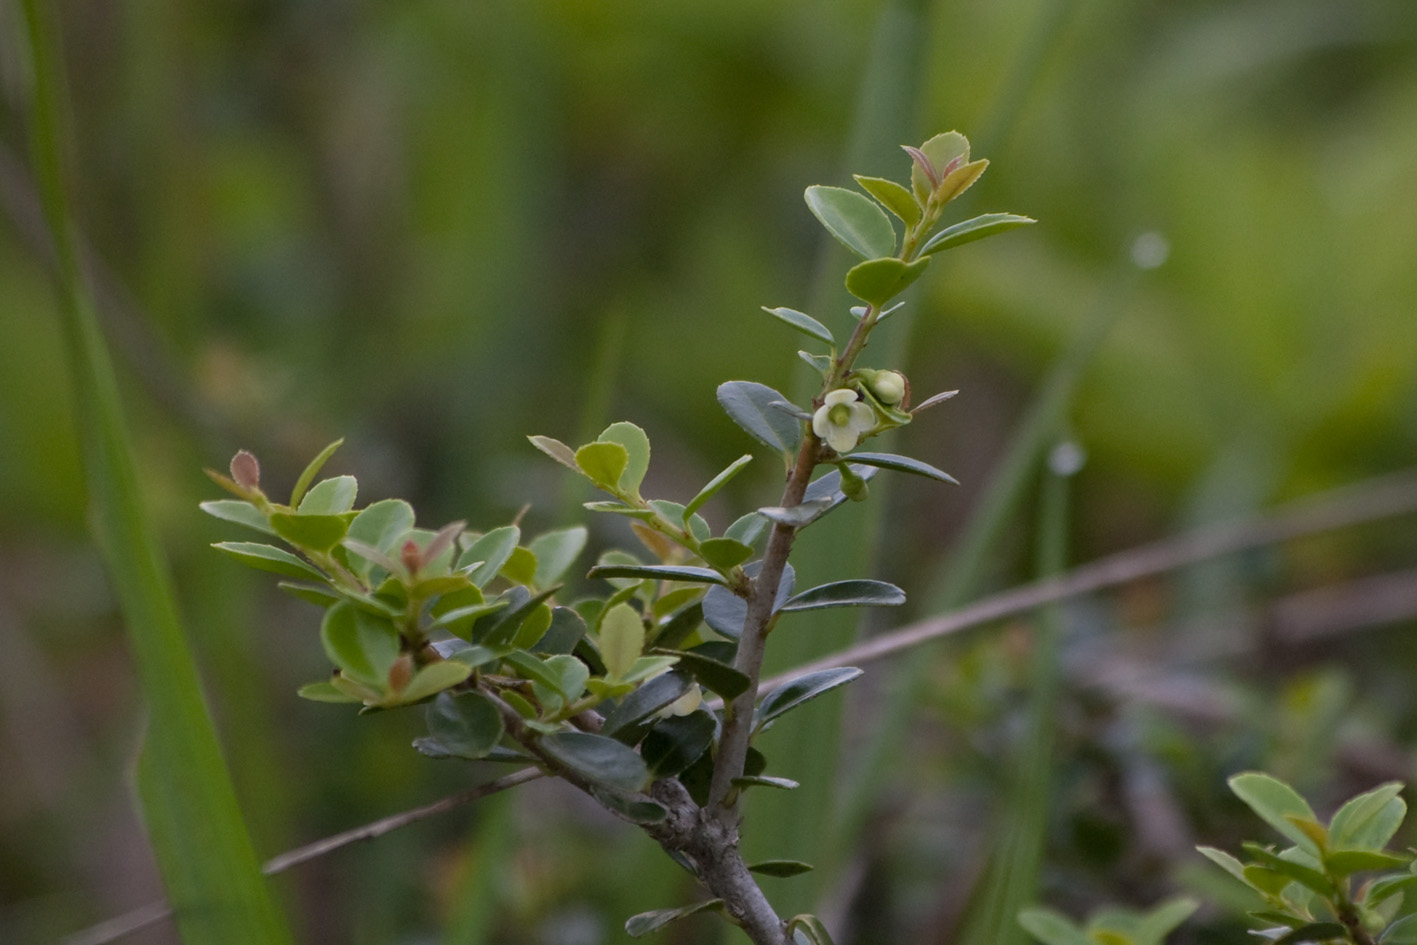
{"x":606,"y":692}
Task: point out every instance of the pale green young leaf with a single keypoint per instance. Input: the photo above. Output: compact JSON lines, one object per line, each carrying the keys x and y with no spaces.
{"x":724,"y":553}
{"x":312,"y":469}
{"x":493,"y":551}
{"x":330,"y":497}
{"x":715,"y":484}
{"x":269,"y":558}
{"x":893,"y":197}
{"x":363,"y":646}
{"x":434,"y":678}
{"x":239,"y":512}
{"x":555,"y":552}
{"x":622,"y":639}
{"x":324,"y":691}
{"x":557,"y":450}
{"x":942,"y":150}
{"x":1052,"y":927}
{"x":603,"y":463}
{"x":977,"y":228}
{"x":636,"y":445}
{"x":1276,"y":803}
{"x":1368,"y":821}
{"x":312,"y":532}
{"x":382,"y":524}
{"x":877,"y":281}
{"x":856,"y":221}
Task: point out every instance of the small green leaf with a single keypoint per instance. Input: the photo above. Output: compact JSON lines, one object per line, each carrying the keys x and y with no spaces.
{"x":311,"y":471}
{"x":942,"y":150}
{"x":598,"y":759}
{"x":645,"y":701}
{"x":656,"y":572}
{"x":715,"y":484}
{"x":877,"y":281}
{"x":466,"y":725}
{"x":316,"y":532}
{"x":318,"y":594}
{"x":971,"y":230}
{"x":1275,"y":802}
{"x":238,"y":511}
{"x":893,"y":197}
{"x":902,"y":464}
{"x":1347,"y":862}
{"x":555,"y":551}
{"x":269,"y":558}
{"x":803,"y":322}
{"x":533,"y":627}
{"x":1292,"y":866}
{"x":330,"y":497}
{"x":361,"y":645}
{"x":747,"y":528}
{"x":1052,"y":927}
{"x":847,"y":594}
{"x":780,"y":868}
{"x":797,"y":692}
{"x":493,"y":550}
{"x":1225,"y":861}
{"x":433,"y":679}
{"x":1153,"y":926}
{"x":648,"y":667}
{"x":520,"y":567}
{"x":622,"y":638}
{"x":1387,"y":887}
{"x":677,"y":742}
{"x":324,"y":691}
{"x":557,"y":450}
{"x":636,"y":445}
{"x":855,"y":220}
{"x":820,"y":363}
{"x":603,"y":463}
{"x":1368,"y":821}
{"x":1401,"y":932}
{"x":749,"y":405}
{"x":646,"y":922}
{"x":724,"y":553}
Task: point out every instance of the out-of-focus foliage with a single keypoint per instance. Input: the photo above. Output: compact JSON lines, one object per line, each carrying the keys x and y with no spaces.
{"x":429,"y":228}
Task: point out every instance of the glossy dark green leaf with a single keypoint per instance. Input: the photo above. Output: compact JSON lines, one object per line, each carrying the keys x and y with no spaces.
{"x":902,"y":464}
{"x":269,"y":558}
{"x":798,"y":692}
{"x":312,"y":469}
{"x":802,"y":322}
{"x":893,"y":197}
{"x":330,"y":497}
{"x":647,"y":922}
{"x":725,"y":611}
{"x":636,"y":445}
{"x":877,"y":281}
{"x":645,"y":701}
{"x":673,"y":632}
{"x":855,"y":220}
{"x":657,"y":572}
{"x":467,"y":725}
{"x":724,"y":553}
{"x":715,"y":484}
{"x":1052,"y":927}
{"x":598,"y":759}
{"x":603,"y":463}
{"x":748,"y":404}
{"x":235,"y":510}
{"x":714,"y":675}
{"x":565,"y":632}
{"x":677,"y":742}
{"x":859,"y":593}
{"x":315,"y":532}
{"x":555,"y":551}
{"x":361,"y":645}
{"x":782,"y":869}
{"x":1368,"y":821}
{"x":971,"y":230}
{"x":1276,"y":802}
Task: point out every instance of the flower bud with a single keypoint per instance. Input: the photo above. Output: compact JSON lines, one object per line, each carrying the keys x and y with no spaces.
{"x":889,"y":387}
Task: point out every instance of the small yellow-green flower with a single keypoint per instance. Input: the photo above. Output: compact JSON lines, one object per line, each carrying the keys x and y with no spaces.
{"x":842,"y":420}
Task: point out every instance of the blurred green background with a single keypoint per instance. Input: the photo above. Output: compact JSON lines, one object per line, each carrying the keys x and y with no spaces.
{"x":433,"y":228}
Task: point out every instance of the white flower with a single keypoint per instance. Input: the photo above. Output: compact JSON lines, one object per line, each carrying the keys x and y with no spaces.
{"x":842,"y":419}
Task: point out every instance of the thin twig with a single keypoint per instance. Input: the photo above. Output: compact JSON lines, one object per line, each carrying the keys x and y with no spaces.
{"x":154,"y":912}
{"x":1350,"y":505}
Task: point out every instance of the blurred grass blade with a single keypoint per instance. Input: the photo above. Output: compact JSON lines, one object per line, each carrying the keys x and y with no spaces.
{"x":1011,"y":882}
{"x":207,"y":860}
